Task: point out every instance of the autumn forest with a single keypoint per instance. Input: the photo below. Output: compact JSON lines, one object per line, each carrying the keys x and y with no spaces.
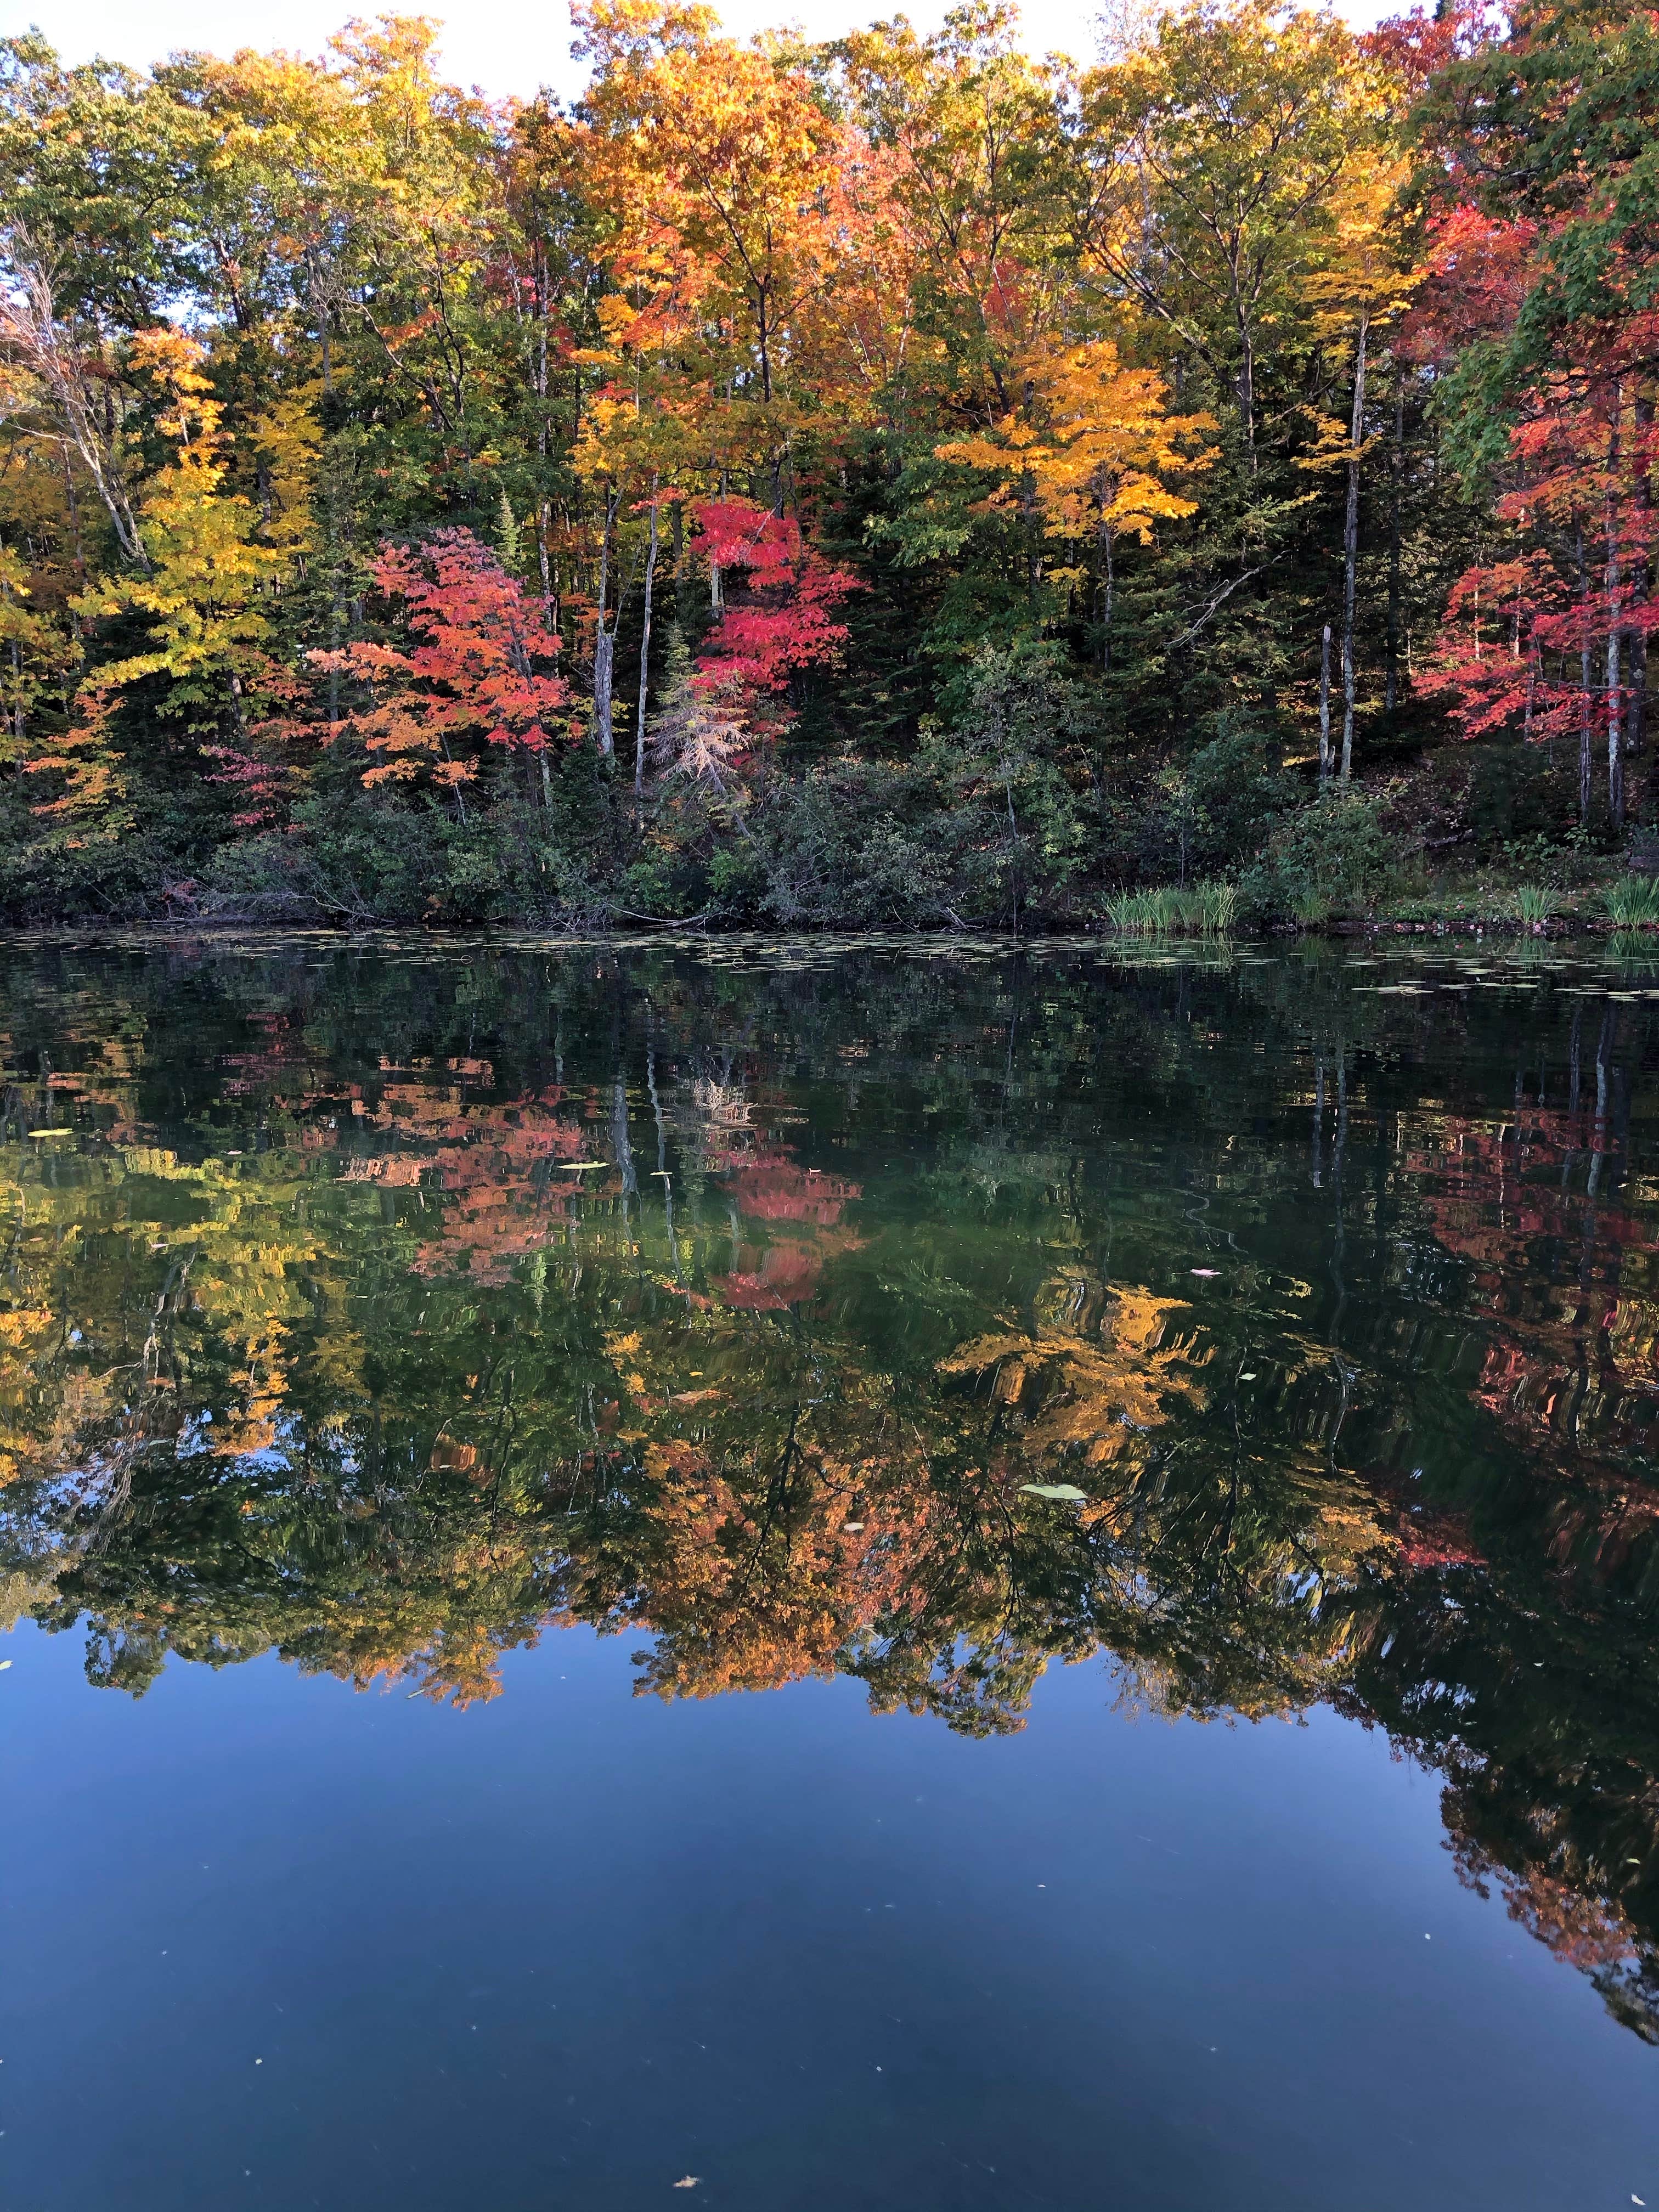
{"x":894,"y":481}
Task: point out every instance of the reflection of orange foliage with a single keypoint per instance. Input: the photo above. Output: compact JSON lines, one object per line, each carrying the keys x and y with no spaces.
{"x":484,"y":1154}
{"x":748,"y":1592}
{"x":23,"y":1334}
{"x":1093,"y":1390}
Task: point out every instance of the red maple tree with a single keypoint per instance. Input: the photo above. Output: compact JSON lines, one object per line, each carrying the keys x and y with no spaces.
{"x":470,"y":679}
{"x":779,"y":619}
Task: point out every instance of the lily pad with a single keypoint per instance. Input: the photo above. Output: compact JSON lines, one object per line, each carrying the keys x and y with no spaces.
{"x":1068,"y":1491}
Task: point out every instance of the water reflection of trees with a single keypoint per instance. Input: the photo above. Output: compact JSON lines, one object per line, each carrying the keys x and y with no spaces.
{"x":386,"y":1316}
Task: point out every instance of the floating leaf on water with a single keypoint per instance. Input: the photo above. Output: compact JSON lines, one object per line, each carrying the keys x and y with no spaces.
{"x":575,"y":1167}
{"x":1066,"y":1490}
{"x":1203,"y":1271}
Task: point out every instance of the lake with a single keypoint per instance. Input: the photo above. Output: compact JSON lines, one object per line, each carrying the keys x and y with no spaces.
{"x":916,"y":1577}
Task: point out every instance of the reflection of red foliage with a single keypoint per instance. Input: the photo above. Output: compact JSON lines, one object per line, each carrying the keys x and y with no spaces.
{"x":1571,"y":1342}
{"x":772,"y":1189}
{"x":1429,"y":1535}
{"x":1435,"y":1541}
{"x":767,"y":1185}
{"x":1586,"y":1931}
{"x":786,"y":1273}
{"x":1495,"y":1195}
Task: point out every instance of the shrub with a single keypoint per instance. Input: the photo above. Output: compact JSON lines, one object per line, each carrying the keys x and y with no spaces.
{"x":1331,"y":857}
{"x":1218,"y":808}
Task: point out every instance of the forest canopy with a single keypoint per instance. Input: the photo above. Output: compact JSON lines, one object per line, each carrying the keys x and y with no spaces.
{"x":892,"y":479}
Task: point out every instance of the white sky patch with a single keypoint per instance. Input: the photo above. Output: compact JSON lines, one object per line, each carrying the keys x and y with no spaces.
{"x":502,"y":46}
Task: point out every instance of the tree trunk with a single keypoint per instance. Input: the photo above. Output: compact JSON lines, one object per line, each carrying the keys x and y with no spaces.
{"x":645,"y":649}
{"x":1584,"y":714}
{"x":1636,"y":726}
{"x":543,"y":521}
{"x":1350,"y":544}
{"x":238,"y":706}
{"x":1028,"y":508}
{"x":716,"y":595}
{"x":1246,"y":388}
{"x":1615,"y":684}
{"x":16,"y":678}
{"x":604,"y":644}
{"x":1106,"y":583}
{"x":1391,"y":695}
{"x":1325,"y":708}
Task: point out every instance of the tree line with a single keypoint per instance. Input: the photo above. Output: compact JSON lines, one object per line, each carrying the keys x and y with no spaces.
{"x":891,"y":478}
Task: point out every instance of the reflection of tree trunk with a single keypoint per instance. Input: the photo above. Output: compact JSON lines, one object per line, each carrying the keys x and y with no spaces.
{"x":645,"y":649}
{"x":1319,"y":1122}
{"x":624,"y":1150}
{"x":1351,"y":543}
{"x":1014,"y":841}
{"x":1599,"y":1135}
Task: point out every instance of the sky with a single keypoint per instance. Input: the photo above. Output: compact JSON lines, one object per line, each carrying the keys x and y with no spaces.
{"x":502,"y":46}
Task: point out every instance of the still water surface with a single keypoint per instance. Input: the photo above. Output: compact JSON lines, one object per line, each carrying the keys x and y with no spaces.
{"x":910,"y":1578}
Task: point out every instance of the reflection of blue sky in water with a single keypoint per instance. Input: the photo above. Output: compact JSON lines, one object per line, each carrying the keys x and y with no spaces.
{"x":573,"y":1946}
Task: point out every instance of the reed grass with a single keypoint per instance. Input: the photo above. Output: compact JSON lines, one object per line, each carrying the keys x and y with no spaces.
{"x":1174,"y":910}
{"x":1633,"y":902}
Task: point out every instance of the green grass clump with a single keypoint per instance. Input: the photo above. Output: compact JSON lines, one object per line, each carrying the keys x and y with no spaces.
{"x":1633,"y":902}
{"x":1174,"y":910}
{"x":1535,"y":902}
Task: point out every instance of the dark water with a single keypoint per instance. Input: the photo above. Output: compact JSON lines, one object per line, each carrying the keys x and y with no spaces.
{"x":544,"y":1669}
